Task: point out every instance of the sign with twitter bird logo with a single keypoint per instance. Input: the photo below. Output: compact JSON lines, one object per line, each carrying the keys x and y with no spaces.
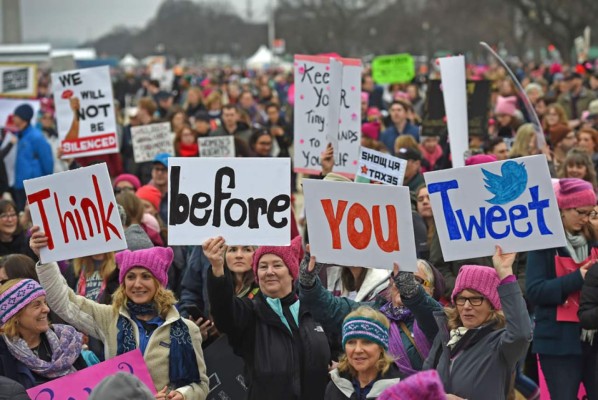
{"x":510,"y":203}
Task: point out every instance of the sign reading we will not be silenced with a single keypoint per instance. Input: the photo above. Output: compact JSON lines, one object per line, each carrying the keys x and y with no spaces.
{"x":150,"y":140}
{"x":77,"y":211}
{"x":85,"y":112}
{"x":381,"y":167}
{"x":229,"y":201}
{"x":509,"y":203}
{"x":314,"y":83}
{"x":217,"y":146}
{"x":354,"y":224}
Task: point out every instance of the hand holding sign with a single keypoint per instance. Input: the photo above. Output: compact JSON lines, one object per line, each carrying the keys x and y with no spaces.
{"x":38,"y":240}
{"x":327,"y":160}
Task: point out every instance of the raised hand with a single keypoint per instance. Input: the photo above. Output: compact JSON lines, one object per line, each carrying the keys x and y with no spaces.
{"x":503,"y":262}
{"x":327,"y":160}
{"x":38,"y":240}
{"x":309,"y":269}
{"x":214,"y":249}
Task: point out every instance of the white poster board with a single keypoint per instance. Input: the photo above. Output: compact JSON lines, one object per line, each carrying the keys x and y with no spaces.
{"x":77,"y":211}
{"x":244,"y":200}
{"x":18,"y":80}
{"x":354,"y":224}
{"x":381,"y":167}
{"x":150,"y":140}
{"x":85,"y":112}
{"x":452,"y":71}
{"x":312,"y":124}
{"x":216,"y":146}
{"x":510,"y":203}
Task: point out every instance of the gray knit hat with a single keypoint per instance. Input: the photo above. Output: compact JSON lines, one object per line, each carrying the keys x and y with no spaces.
{"x":121,"y":386}
{"x":137,"y":239}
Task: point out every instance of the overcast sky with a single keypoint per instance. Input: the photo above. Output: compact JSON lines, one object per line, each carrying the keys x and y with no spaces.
{"x":81,"y":20}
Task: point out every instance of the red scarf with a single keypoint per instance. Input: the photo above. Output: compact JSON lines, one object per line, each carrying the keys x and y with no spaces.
{"x":430,"y":157}
{"x":188,"y":150}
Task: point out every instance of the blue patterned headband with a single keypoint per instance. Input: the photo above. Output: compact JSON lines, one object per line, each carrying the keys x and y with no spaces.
{"x":365,"y":328}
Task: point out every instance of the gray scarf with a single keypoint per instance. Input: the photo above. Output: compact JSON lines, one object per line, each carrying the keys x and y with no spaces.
{"x":577,"y":246}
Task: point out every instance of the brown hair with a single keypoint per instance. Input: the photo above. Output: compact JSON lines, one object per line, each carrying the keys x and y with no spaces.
{"x":148,"y":104}
{"x":593,"y":133}
{"x":132,"y":205}
{"x":19,"y":266}
{"x":578,"y":157}
{"x":163,"y":299}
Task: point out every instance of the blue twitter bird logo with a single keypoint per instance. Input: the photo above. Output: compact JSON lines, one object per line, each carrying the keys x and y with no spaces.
{"x":507,"y":187}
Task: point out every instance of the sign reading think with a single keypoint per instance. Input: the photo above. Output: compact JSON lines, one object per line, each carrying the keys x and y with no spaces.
{"x":149,"y":140}
{"x":79,"y":385}
{"x":313,"y":96}
{"x":85,"y":112}
{"x":77,"y":211}
{"x":510,"y":203}
{"x":353,"y":224}
{"x":217,"y":146}
{"x":381,"y":167}
{"x":396,"y":68}
{"x":18,"y":80}
{"x":229,"y":201}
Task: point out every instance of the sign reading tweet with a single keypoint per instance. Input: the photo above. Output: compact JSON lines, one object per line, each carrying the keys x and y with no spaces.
{"x":510,"y":203}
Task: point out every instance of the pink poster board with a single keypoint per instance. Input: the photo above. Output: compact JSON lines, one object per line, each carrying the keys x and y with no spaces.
{"x":79,"y":385}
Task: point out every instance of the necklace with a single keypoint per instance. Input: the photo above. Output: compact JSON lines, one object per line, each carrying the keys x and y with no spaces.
{"x":43,"y":346}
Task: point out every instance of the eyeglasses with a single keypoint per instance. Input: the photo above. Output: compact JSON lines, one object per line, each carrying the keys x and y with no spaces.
{"x":160,"y":169}
{"x":124,"y":189}
{"x":590,"y":214}
{"x":7,"y":216}
{"x":422,"y":281}
{"x":474,"y":301}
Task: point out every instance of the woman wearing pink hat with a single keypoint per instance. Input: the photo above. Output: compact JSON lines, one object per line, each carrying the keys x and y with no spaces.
{"x":554,"y":278}
{"x":286,"y":352}
{"x":142,"y":316}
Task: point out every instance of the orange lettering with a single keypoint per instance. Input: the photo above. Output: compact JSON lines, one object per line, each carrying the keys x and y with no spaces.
{"x":359,"y":240}
{"x":334,"y":220}
{"x":392,"y":243}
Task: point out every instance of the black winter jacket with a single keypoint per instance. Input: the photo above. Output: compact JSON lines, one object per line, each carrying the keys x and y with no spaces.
{"x":341,"y":386}
{"x":588,"y":303}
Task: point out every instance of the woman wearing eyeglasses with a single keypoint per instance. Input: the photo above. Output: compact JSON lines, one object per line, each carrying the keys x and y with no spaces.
{"x":484,"y":334}
{"x":554,"y":278}
{"x":13,"y":238}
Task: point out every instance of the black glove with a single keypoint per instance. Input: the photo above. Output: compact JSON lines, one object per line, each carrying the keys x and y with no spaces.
{"x":406,"y":283}
{"x":307,"y":279}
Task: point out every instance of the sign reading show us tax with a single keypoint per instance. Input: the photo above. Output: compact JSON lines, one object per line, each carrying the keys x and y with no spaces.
{"x":355,"y":224}
{"x":323,"y":115}
{"x":510,"y":203}
{"x":244,"y":200}
{"x":77,"y":211}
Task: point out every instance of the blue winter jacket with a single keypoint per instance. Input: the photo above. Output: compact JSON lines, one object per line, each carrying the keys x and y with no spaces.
{"x":390,"y":135}
{"x":34,"y":156}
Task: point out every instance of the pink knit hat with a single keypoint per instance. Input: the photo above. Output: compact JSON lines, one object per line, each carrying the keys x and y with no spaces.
{"x":481,"y":279}
{"x":371,"y":130}
{"x":132,"y":179}
{"x":506,"y":105}
{"x":425,"y":385}
{"x":291,"y":256}
{"x":480,"y":159}
{"x":573,"y":193}
{"x":18,"y":297}
{"x":156,"y":260}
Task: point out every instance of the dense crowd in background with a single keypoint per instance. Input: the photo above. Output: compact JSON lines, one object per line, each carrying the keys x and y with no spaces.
{"x":307,"y":330}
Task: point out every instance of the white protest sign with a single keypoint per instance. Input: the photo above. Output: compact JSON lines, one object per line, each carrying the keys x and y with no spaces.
{"x":217,"y":146}
{"x":334,"y":107}
{"x":244,"y":200}
{"x":77,"y":211}
{"x":510,"y":203}
{"x":354,"y":224}
{"x":85,"y":112}
{"x":452,"y":71}
{"x":313,"y":95}
{"x":381,"y":167}
{"x":150,"y":140}
{"x":18,"y":80}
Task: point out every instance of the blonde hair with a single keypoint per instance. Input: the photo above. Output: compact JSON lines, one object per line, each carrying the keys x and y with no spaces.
{"x":385,"y":360}
{"x":406,"y":141}
{"x":520,"y":146}
{"x":11,"y":328}
{"x":163,"y":299}
{"x":83,"y":264}
{"x":454,"y":320}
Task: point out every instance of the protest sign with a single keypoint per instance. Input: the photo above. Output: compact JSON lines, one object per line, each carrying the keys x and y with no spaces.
{"x":242,"y":199}
{"x":217,"y":146}
{"x":18,"y":80}
{"x":395,"y":68}
{"x":85,"y":112}
{"x":381,"y":167}
{"x":313,"y":95}
{"x":478,"y":104}
{"x":78,"y":386}
{"x":77,"y":211}
{"x":225,"y":371}
{"x":452,"y":70}
{"x":149,"y":140}
{"x":510,"y":203}
{"x":353,"y":224}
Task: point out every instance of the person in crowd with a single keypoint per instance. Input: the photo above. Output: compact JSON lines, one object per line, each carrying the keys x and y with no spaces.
{"x":375,"y":92}
{"x":17,"y":266}
{"x":424,"y":209}
{"x":150,"y":197}
{"x":160,"y":182}
{"x":483,"y":335}
{"x":177,"y":119}
{"x":553,"y":117}
{"x":121,"y":386}
{"x":366,"y":368}
{"x":214,"y":108}
{"x":525,"y":143}
{"x":88,"y":276}
{"x":400,"y":125}
{"x":164,"y":100}
{"x":286,"y":352}
{"x":562,"y":139}
{"x":195,"y":102}
{"x":578,"y":164}
{"x":507,"y":116}
{"x":135,"y":216}
{"x":260,"y":143}
{"x":34,"y":154}
{"x":32,"y":351}
{"x":554,"y":278}
{"x":576,"y":99}
{"x":231,"y":124}
{"x":247,"y":105}
{"x":279,"y":129}
{"x":432,"y":154}
{"x":406,"y":141}
{"x":143,"y":315}
{"x":587,"y":140}
{"x":497,"y":147}
{"x":126,"y":182}
{"x":201,"y":124}
{"x":425,"y":385}
{"x":185,"y":142}
{"x":413,"y":177}
{"x":13,"y":238}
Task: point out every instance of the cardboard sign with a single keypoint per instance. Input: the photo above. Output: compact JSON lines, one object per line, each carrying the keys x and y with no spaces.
{"x":217,"y":146}
{"x":79,"y":385}
{"x":77,"y":211}
{"x":225,"y":371}
{"x":313,"y":95}
{"x":242,"y":199}
{"x":395,"y":68}
{"x":478,"y":104}
{"x":149,"y":140}
{"x":18,"y":80}
{"x":380,"y":167}
{"x":85,"y":112}
{"x":510,"y":203}
{"x":452,"y":70}
{"x":354,"y":224}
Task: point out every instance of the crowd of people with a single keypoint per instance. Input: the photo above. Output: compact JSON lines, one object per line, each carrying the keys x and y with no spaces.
{"x":484,"y":328}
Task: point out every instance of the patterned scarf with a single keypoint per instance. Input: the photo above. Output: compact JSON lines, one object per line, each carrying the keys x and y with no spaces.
{"x":456,"y":335}
{"x":182,"y":364}
{"x":66,"y":344}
